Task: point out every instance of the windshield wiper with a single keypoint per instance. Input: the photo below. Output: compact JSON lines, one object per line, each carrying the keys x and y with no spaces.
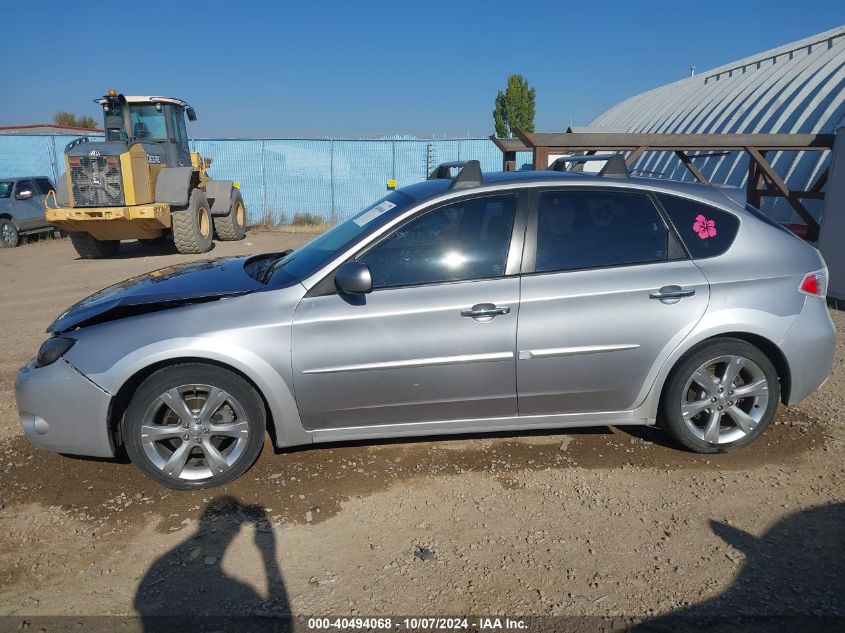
{"x":273,"y":265}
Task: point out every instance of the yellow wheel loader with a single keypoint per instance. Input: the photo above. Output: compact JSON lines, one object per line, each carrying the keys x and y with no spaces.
{"x":142,"y":183}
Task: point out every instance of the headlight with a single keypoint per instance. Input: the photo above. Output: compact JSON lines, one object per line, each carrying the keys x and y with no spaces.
{"x":52,"y":350}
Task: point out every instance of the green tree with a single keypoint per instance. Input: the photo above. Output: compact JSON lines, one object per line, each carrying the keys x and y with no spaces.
{"x":68,"y":119}
{"x":514,"y":107}
{"x":87,"y":122}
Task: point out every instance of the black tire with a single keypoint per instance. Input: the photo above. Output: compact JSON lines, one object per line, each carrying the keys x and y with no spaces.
{"x":723,"y":405}
{"x":89,"y":247}
{"x":192,"y":226}
{"x":146,"y":404}
{"x":230,"y":227}
{"x":9,"y":236}
{"x":155,"y":241}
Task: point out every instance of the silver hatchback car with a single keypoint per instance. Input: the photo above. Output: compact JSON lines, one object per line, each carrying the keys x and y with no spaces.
{"x":467,"y":303}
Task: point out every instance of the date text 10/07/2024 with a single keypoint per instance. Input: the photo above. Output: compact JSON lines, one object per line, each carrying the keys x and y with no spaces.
{"x":420,"y":624}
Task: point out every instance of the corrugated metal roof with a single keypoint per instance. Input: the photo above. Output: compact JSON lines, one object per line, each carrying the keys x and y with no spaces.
{"x":795,"y":88}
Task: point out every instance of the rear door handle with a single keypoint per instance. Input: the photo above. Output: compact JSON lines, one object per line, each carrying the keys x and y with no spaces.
{"x":671,"y":292}
{"x":485,"y":310}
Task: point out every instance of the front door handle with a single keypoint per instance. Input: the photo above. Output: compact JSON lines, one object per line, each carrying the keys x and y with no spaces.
{"x":485,"y":310}
{"x":671,"y":292}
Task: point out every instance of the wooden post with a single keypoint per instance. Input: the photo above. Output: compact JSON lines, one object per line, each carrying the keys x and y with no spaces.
{"x":687,"y":161}
{"x":541,"y":158}
{"x":777,"y":182}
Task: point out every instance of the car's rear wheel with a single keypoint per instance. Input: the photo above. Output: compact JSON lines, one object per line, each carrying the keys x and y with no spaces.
{"x":194,"y":426}
{"x":721,"y":397}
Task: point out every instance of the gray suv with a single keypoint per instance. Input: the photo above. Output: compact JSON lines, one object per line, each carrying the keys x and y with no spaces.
{"x":22,"y":208}
{"x":467,"y":303}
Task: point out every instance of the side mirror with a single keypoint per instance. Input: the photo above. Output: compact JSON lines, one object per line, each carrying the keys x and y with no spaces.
{"x":353,"y":278}
{"x":26,"y":194}
{"x":192,"y":115}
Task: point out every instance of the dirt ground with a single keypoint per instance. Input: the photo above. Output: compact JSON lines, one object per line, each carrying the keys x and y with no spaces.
{"x":598,"y":522}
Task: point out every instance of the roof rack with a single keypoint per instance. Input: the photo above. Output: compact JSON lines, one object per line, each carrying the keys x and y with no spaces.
{"x":469,"y":174}
{"x":614,"y":167}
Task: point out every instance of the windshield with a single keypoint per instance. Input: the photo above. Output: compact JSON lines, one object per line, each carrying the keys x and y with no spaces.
{"x":148,"y":122}
{"x":308,"y":258}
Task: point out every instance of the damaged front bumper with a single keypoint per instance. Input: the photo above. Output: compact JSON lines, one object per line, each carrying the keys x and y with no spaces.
{"x":62,"y":411}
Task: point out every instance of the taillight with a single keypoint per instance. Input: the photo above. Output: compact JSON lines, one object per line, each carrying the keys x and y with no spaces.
{"x":73,"y":161}
{"x":111,"y":161}
{"x":814,"y":284}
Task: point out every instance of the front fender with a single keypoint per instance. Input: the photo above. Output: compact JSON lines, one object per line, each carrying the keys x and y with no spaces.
{"x":271,"y":375}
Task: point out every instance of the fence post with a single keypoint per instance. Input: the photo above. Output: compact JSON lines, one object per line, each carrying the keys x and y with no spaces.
{"x":331,"y":178}
{"x":263,"y":182}
{"x":53,"y":160}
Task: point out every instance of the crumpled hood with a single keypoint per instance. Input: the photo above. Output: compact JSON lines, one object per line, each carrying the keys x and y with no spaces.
{"x":174,"y":286}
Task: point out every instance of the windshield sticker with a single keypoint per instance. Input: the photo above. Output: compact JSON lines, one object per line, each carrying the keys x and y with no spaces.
{"x":372,"y":214}
{"x":704,"y":227}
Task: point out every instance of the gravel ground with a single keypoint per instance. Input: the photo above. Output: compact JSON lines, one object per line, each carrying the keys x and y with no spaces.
{"x":596,"y":522}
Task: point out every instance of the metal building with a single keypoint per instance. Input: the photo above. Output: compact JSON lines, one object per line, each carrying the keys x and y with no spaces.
{"x":795,"y":88}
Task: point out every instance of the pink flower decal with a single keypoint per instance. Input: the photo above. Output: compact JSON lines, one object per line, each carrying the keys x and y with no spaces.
{"x":704,"y":227}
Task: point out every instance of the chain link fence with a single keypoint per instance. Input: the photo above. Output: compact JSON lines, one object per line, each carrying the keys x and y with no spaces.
{"x":332,"y":179}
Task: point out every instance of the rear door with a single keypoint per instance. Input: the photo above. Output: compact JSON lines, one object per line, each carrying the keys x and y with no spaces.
{"x":435,"y":339}
{"x":608,"y":292}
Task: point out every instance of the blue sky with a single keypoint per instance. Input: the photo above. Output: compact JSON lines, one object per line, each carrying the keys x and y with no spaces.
{"x":358,"y":68}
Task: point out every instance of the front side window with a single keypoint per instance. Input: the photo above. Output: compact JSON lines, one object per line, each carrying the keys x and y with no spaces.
{"x":25,"y":185}
{"x":589,"y":229}
{"x":148,"y":121}
{"x":461,"y":241}
{"x":178,"y":122}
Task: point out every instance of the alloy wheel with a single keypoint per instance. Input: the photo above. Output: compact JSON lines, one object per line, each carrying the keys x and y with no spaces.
{"x":194,"y":432}
{"x":725,"y":399}
{"x":7,"y":233}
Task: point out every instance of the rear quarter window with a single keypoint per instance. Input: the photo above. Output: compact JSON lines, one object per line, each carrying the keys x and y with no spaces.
{"x":706,"y":231}
{"x":43,"y":185}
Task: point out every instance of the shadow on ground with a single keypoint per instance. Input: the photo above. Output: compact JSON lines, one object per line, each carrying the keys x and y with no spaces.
{"x":793,"y":580}
{"x":187,"y":588}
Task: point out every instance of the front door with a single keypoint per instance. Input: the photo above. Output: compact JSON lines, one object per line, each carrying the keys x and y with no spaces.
{"x":28,"y":207}
{"x":611,"y":293}
{"x":434,"y":340}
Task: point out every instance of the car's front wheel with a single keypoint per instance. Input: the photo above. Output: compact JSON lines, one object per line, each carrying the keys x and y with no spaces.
{"x":9,"y":237}
{"x":194,"y":426}
{"x":721,"y":397}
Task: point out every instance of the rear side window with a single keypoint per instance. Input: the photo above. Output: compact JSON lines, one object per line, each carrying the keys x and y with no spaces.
{"x":43,"y":185}
{"x":5,"y":189}
{"x":590,"y":229}
{"x":706,"y":231}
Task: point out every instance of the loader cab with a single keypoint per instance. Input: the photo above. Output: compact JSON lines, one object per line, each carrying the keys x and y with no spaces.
{"x":156,"y":122}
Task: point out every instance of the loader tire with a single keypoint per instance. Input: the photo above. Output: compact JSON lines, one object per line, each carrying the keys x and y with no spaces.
{"x":89,"y":247}
{"x":230,"y":227}
{"x":192,"y":226}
